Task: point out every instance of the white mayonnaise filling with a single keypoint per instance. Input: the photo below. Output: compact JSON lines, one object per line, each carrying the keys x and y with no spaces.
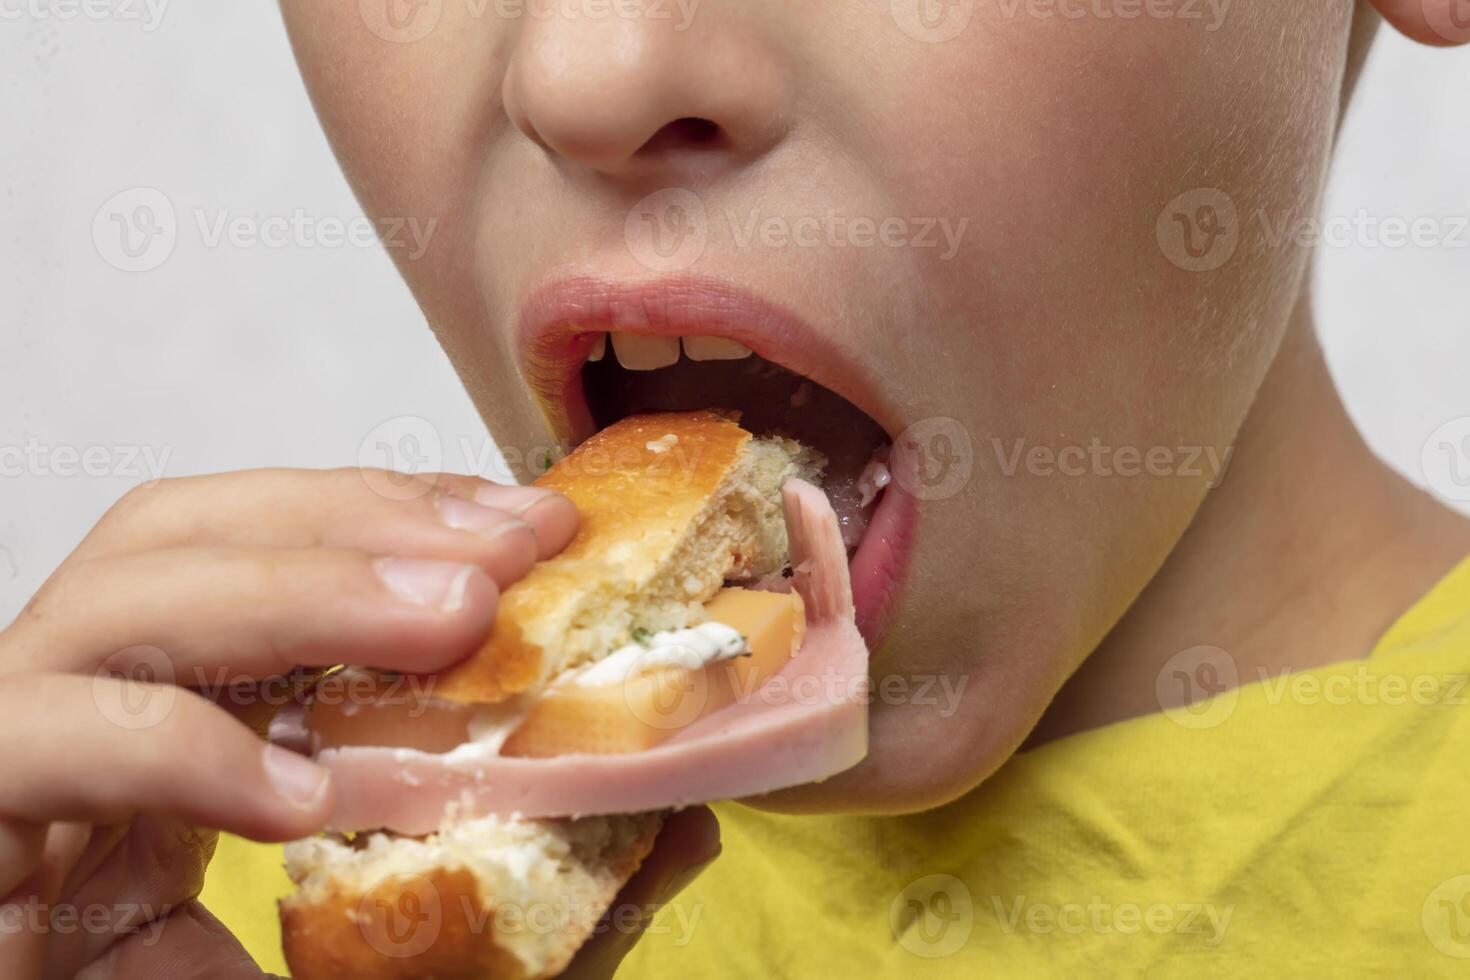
{"x":689,"y":648}
{"x":492,"y":724}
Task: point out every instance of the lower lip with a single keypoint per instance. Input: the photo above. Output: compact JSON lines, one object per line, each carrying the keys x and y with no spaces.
{"x":880,"y":564}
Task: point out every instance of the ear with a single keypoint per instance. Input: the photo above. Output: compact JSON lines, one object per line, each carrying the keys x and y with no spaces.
{"x":1441,"y":23}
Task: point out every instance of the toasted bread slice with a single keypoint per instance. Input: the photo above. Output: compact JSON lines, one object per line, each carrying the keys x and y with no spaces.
{"x":672,"y":505}
{"x":508,"y":899}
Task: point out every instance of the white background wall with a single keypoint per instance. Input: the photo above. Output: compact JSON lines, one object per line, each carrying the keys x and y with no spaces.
{"x":233,"y":357}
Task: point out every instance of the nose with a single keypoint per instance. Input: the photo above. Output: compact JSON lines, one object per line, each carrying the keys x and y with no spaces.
{"x":623,"y":94}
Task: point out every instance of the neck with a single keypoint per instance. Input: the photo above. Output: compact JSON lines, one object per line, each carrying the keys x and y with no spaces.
{"x":1303,"y":556}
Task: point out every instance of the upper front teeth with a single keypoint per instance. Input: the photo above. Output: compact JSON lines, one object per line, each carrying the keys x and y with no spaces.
{"x":714,"y":349}
{"x":642,"y":352}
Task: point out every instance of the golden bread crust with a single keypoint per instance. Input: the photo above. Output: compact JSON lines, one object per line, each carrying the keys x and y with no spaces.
{"x":638,"y":486}
{"x":437,"y":925}
{"x":378,"y":935}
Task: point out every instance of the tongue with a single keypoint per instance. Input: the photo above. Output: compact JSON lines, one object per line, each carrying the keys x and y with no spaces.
{"x":854,"y":495}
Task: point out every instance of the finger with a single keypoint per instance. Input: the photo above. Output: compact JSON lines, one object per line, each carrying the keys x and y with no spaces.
{"x":104,"y":846}
{"x":21,"y":842}
{"x":100,"y":749}
{"x":25,"y":917}
{"x":503,"y":529}
{"x":155,"y":867}
{"x":190,"y":944}
{"x":202,"y":616}
{"x":688,"y":843}
{"x":552,"y":515}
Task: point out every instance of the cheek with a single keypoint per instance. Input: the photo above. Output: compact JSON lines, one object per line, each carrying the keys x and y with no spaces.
{"x":1072,"y":147}
{"x":410,"y":124}
{"x":1092,"y":159}
{"x":1067,"y":142}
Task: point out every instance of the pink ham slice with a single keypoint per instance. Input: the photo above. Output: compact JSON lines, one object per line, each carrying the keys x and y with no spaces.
{"x":805,"y":724}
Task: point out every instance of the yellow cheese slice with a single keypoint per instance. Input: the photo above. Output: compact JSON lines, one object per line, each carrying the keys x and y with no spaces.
{"x":360,"y":708}
{"x":648,"y":707}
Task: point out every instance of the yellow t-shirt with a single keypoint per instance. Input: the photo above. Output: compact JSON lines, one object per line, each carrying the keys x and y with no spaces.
{"x":1312,"y":821}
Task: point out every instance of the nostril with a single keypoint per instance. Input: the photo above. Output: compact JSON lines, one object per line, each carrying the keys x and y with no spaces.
{"x":694,"y":130}
{"x":688,"y":133}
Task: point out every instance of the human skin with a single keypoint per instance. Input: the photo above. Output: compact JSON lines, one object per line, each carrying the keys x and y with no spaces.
{"x":1062,"y":318}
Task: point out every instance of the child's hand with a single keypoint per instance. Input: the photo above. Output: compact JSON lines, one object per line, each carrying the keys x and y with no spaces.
{"x":199,"y":583}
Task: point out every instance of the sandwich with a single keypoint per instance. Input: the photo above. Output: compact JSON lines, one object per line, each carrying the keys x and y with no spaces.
{"x":694,"y":642}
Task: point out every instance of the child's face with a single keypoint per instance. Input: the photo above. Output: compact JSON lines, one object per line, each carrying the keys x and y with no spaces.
{"x":1033,"y":286}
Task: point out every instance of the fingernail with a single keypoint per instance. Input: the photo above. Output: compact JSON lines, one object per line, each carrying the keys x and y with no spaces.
{"x":288,"y":728}
{"x":297,"y":779}
{"x":426,"y":583}
{"x":488,"y":522}
{"x":512,"y":499}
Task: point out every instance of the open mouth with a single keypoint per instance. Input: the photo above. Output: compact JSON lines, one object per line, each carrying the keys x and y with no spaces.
{"x":594,"y":353}
{"x":637,"y":374}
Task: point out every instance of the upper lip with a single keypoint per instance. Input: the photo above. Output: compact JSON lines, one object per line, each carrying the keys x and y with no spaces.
{"x":561,"y":321}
